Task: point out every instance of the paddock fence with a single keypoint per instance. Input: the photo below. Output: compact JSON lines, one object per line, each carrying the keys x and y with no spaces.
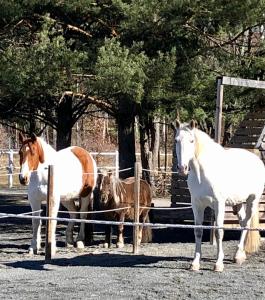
{"x":135,"y":223}
{"x":9,"y":164}
{"x":9,"y":169}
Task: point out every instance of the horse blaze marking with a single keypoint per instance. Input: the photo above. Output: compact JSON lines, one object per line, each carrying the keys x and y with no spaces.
{"x":88,"y":170}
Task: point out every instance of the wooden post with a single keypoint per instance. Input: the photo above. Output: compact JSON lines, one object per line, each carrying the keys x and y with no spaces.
{"x":136,"y":206}
{"x":219,"y":111}
{"x":217,"y":137}
{"x":117,"y":164}
{"x":49,"y":207}
{"x":10,"y":167}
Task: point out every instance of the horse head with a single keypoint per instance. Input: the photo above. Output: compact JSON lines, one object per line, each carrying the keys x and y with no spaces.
{"x":31,"y":155}
{"x":185,"y":145}
{"x":104,"y":186}
{"x":107,"y":187}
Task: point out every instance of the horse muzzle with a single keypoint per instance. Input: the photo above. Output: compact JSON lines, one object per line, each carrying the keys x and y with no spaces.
{"x":183,"y":170}
{"x":104,"y":199}
{"x":24,"y":180}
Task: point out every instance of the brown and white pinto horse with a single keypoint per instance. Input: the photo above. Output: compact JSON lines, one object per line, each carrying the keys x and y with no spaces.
{"x":115,"y":193}
{"x":75,"y":176}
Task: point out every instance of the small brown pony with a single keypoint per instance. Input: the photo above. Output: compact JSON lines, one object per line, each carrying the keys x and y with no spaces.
{"x":115,"y":193}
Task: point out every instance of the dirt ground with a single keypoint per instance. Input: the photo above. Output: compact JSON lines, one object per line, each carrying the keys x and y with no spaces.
{"x":159,"y":271}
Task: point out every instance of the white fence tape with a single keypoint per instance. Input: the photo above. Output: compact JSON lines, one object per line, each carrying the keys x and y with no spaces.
{"x":153,"y":225}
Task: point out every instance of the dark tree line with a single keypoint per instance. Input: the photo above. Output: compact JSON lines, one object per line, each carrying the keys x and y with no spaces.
{"x":132,"y":59}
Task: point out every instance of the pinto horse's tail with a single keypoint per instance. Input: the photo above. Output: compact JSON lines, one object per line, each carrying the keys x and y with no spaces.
{"x":252,"y":242}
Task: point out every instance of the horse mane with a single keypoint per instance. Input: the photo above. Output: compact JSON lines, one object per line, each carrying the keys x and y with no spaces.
{"x":203,"y":141}
{"x":48,"y":150}
{"x":118,"y":189}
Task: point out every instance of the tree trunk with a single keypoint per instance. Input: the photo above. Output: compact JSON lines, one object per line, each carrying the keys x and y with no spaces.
{"x":146,"y":154}
{"x":155,"y":140}
{"x":65,"y":123}
{"x":149,"y":143}
{"x":32,"y":122}
{"x":126,"y":138}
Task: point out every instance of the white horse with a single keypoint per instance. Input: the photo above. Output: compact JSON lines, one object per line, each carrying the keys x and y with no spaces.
{"x":219,"y":177}
{"x":75,"y":175}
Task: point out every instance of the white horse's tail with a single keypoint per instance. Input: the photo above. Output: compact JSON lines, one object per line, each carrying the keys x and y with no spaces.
{"x":252,"y":242}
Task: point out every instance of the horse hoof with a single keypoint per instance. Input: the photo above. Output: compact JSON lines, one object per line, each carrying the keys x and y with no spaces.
{"x":239,"y":260}
{"x":195,"y":267}
{"x":219,"y":268}
{"x":80,"y":245}
{"x":69,"y":245}
{"x":106,"y":245}
{"x":32,"y":251}
{"x":120,"y":245}
{"x":240,"y":257}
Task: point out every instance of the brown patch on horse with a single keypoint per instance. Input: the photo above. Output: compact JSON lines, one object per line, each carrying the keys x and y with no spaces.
{"x":31,"y":148}
{"x":88,"y":170}
{"x":40,"y":151}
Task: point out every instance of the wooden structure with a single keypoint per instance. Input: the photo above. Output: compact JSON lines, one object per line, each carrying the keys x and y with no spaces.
{"x":249,"y":135}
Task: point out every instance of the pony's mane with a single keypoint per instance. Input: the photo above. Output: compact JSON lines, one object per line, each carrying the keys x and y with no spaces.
{"x":117,"y":184}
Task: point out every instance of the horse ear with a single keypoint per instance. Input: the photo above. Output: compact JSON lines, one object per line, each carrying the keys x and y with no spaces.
{"x":100,"y":177}
{"x":21,"y":137}
{"x":193,"y":124}
{"x":33,"y":137}
{"x":175,"y":125}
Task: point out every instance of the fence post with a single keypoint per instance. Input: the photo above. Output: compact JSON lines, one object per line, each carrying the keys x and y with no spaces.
{"x":219,"y":110}
{"x":217,"y":138}
{"x":49,"y":208}
{"x":117,"y":164}
{"x":136,"y":207}
{"x":10,"y":167}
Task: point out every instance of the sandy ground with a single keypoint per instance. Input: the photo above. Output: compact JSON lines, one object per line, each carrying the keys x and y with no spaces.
{"x":159,"y":271}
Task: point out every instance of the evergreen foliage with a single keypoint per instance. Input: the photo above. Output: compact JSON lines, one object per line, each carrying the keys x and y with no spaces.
{"x":162,"y":56}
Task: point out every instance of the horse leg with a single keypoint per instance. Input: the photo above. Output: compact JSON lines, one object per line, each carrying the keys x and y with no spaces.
{"x":245,"y":220}
{"x":143,"y":218}
{"x":89,"y":228}
{"x":83,"y":216}
{"x":140,"y":231}
{"x":240,"y":255}
{"x":120,"y":239}
{"x":54,"y":214}
{"x":71,"y":207}
{"x":219,"y":234}
{"x":147,"y":235}
{"x":108,"y":236}
{"x":198,"y":218}
{"x":36,"y":227}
